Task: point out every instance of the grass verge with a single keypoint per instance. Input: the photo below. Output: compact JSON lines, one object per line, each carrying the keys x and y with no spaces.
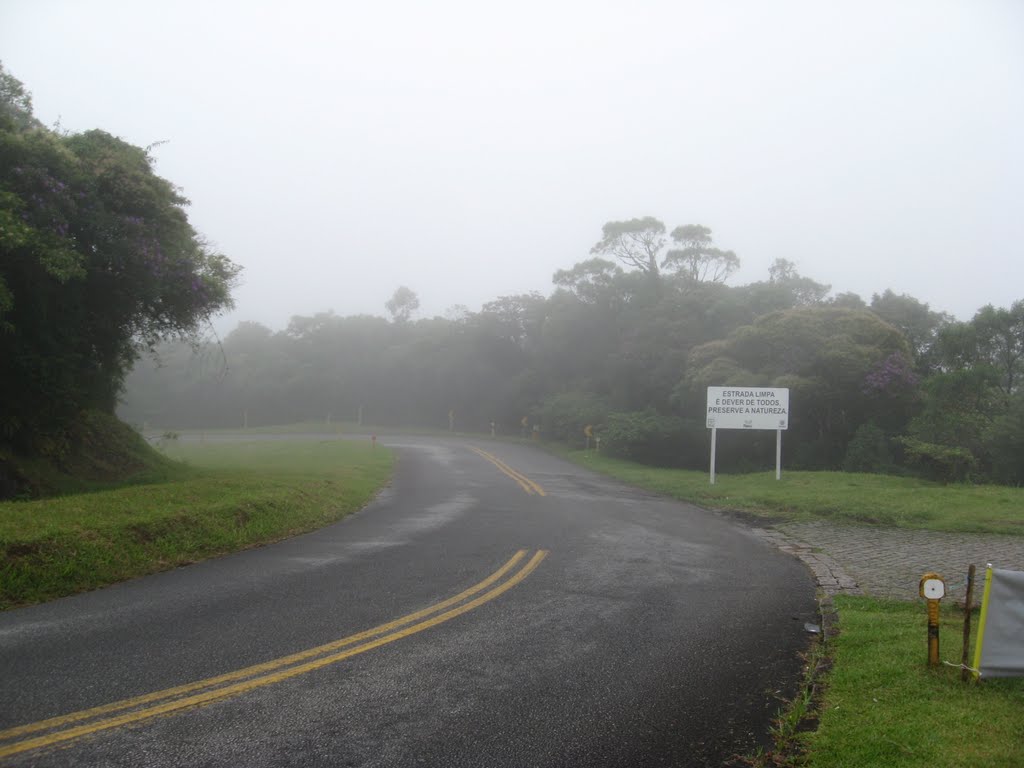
{"x":228,"y":497}
{"x":844,"y":497}
{"x":883,"y":706}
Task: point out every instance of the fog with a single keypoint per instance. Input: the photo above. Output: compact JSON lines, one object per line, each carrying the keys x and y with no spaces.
{"x":468,"y":150}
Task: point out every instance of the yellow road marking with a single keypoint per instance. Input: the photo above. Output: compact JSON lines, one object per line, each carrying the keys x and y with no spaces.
{"x":524,"y":482}
{"x":267,"y":666}
{"x":261,"y":680}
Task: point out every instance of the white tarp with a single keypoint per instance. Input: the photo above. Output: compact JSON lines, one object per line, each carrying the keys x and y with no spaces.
{"x":1000,"y":651}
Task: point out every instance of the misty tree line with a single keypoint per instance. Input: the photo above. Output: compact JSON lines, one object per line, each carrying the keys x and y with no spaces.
{"x":98,"y":261}
{"x":628,"y":343}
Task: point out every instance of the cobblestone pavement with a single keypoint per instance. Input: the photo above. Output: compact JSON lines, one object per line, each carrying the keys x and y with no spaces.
{"x":889,"y":562}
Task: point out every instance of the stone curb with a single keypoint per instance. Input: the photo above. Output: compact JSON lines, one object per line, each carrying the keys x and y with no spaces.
{"x":831,"y":578}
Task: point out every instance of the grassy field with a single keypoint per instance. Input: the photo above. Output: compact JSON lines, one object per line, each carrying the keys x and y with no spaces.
{"x":227,"y":497}
{"x":883,"y":706}
{"x":842,"y":497}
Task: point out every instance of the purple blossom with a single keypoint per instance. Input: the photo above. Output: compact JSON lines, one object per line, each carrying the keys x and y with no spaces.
{"x":889,"y":376}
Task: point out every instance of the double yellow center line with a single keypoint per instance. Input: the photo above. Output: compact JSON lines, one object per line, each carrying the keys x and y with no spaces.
{"x":524,"y":482}
{"x":89,"y":721}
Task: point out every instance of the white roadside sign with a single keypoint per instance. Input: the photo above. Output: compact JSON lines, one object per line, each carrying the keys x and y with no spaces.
{"x":748,"y":408}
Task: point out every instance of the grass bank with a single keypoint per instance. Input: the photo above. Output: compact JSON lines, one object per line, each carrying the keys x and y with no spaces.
{"x":843,"y":497}
{"x":96,"y":451}
{"x":883,"y":706}
{"x":225,"y":498}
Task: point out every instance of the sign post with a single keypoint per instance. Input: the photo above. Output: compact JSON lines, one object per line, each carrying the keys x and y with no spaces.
{"x":778,"y":454}
{"x":714,"y":442}
{"x":748,"y":408}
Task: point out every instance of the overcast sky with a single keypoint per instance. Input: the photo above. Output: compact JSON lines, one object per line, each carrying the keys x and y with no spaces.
{"x":470,"y":149}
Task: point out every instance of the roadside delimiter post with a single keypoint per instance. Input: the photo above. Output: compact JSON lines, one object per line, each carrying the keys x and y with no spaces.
{"x":932,"y":588}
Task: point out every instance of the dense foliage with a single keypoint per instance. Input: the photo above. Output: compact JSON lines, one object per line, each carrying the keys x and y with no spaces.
{"x":885,"y":385}
{"x":97,"y":261}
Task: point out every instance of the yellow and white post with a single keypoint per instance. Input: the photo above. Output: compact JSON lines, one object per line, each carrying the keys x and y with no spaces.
{"x":933,"y":589}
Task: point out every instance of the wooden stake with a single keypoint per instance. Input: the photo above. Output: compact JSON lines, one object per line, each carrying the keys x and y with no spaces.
{"x":968,"y":601}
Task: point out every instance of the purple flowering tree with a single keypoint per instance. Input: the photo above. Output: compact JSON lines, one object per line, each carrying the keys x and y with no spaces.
{"x":97,"y":262}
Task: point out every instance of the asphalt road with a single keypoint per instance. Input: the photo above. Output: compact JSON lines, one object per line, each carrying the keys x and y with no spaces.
{"x":494,"y":608}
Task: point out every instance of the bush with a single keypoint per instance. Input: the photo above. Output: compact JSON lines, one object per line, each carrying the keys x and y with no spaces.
{"x":868,"y":451}
{"x":645,"y":436}
{"x":938,"y":462}
{"x":564,"y":416}
{"x":1005,"y":443}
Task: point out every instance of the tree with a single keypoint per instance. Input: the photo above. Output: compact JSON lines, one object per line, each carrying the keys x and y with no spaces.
{"x":15,"y":102}
{"x":915,"y":320}
{"x":97,"y":262}
{"x":402,"y":304}
{"x":957,"y":409}
{"x":843,"y":367}
{"x":591,"y":280}
{"x":636,"y":242}
{"x":1000,"y":336}
{"x":516,"y":318}
{"x":1006,"y":443}
{"x":848,"y":300}
{"x":970,"y":411}
{"x":697,"y":260}
{"x":639,"y":243}
{"x":993,"y":339}
{"x":803,"y":291}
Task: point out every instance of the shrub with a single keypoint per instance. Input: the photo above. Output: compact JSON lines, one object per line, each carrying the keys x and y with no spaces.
{"x":565,"y":415}
{"x":938,"y":462}
{"x":868,"y":451}
{"x":1005,"y":443}
{"x":645,"y":436}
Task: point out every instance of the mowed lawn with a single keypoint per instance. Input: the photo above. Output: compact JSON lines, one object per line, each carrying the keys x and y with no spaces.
{"x":842,"y":497}
{"x":226,"y":497}
{"x":884,"y":706}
